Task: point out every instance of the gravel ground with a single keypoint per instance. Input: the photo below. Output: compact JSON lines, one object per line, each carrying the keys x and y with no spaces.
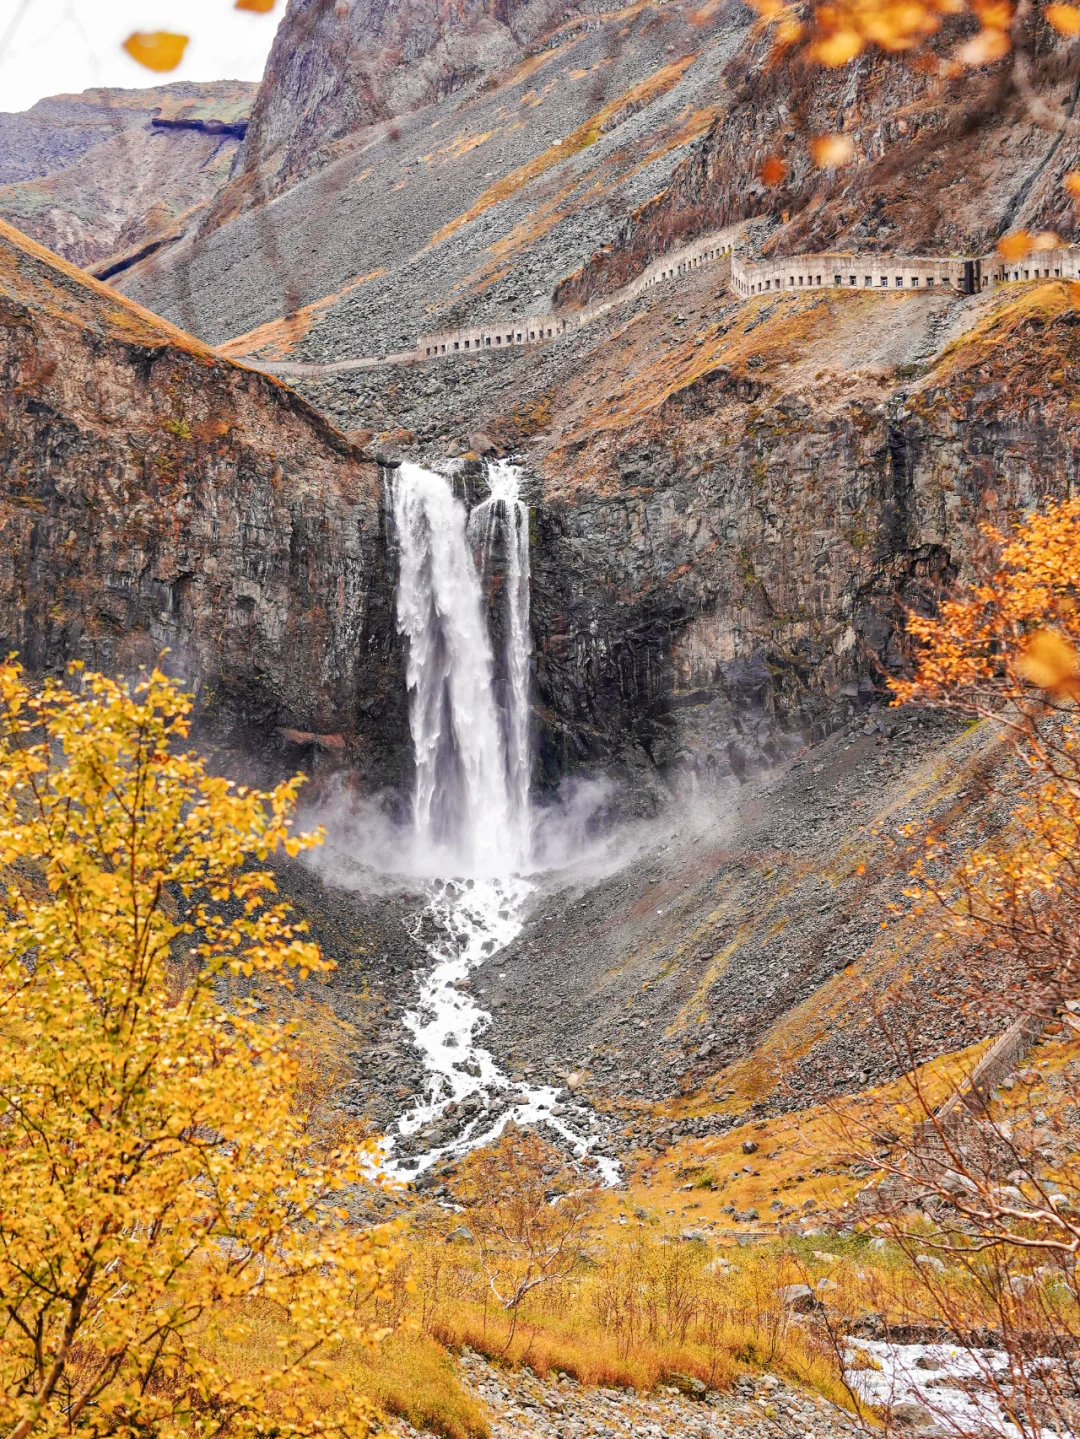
{"x":522,"y":1406}
{"x":737,"y":911}
{"x":735,"y":925}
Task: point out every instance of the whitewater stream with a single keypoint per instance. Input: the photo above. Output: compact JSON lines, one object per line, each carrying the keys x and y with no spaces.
{"x":960,"y":1388}
{"x":472,"y":825}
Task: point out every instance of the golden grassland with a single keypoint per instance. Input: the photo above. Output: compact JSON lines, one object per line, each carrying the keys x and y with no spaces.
{"x":665,"y":1282}
{"x":1001,"y":339}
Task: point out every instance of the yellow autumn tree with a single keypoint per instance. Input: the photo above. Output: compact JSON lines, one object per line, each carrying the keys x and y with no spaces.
{"x":156,"y":1186}
{"x":983,"y":1193}
{"x":1008,"y":651}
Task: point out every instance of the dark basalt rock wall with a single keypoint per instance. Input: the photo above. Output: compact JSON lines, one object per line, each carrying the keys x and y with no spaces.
{"x":734,"y":582}
{"x":156,"y":496}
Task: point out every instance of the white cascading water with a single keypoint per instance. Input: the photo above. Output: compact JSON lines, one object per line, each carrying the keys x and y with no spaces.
{"x":504,"y":515}
{"x":462,"y":814}
{"x":471,"y":807}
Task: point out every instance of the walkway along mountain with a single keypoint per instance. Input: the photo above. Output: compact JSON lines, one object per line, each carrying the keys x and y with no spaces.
{"x":877,"y":274}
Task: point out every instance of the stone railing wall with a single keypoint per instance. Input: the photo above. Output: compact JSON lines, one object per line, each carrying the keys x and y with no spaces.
{"x":498,"y":335}
{"x":537,"y":329}
{"x":865,"y":272}
{"x":880,"y":274}
{"x":710,"y":249}
{"x":1063,"y":264}
{"x":886,"y":273}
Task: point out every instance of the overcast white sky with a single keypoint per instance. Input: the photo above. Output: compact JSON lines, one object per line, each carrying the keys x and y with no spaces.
{"x":54,"y":47}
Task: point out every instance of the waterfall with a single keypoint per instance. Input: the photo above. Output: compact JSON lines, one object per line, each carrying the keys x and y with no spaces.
{"x":472,"y":756}
{"x":462,"y":579}
{"x":504,"y":517}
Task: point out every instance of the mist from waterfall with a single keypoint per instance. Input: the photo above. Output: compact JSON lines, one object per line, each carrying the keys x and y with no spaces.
{"x":472,"y":752}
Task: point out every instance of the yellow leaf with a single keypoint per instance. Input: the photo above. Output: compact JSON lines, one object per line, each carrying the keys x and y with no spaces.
{"x":1049,"y":661}
{"x":993,"y":14}
{"x":1014,"y":246}
{"x":258,"y":7}
{"x":772,"y":171}
{"x":838,"y":49}
{"x":831,"y":151}
{"x":156,"y":49}
{"x":1047,"y":239}
{"x":1072,"y":183}
{"x":983,"y":48}
{"x":1064,"y":18}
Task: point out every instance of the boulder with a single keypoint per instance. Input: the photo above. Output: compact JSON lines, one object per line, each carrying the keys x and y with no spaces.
{"x":799,"y":1298}
{"x":689,"y":1385}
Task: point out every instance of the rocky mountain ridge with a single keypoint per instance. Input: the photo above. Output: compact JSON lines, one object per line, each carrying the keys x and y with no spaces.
{"x":106,"y":174}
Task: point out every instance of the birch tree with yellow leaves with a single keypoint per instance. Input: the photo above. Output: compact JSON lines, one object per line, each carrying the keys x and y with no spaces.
{"x":1008,"y":651}
{"x":159,"y":1191}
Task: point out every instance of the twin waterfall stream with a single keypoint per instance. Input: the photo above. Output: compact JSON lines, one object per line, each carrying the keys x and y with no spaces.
{"x":471,"y":819}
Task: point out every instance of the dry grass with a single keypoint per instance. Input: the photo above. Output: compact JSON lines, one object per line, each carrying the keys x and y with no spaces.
{"x":1002,"y":338}
{"x":643,"y":1302}
{"x":276,"y":339}
{"x":34,"y":275}
{"x":639,"y":1306}
{"x":413,"y":1376}
{"x":408,"y":1374}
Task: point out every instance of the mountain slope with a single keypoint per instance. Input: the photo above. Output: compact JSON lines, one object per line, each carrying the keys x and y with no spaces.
{"x":478,"y":202}
{"x":939,"y":166}
{"x":98,"y":175}
{"x":335,"y":71}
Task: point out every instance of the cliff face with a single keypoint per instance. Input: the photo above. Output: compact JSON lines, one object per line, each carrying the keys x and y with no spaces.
{"x":734,"y":527}
{"x":100,"y":175}
{"x":155,"y":495}
{"x":335,"y":70}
